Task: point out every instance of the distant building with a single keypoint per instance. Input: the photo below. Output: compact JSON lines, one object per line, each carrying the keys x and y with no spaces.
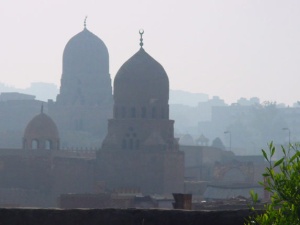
{"x":246,"y":102}
{"x":212,"y":173}
{"x":11,"y":96}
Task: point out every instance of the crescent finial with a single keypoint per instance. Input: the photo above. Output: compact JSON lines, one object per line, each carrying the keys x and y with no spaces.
{"x":141,"y":31}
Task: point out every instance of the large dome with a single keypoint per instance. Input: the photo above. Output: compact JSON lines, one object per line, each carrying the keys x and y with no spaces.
{"x":141,"y":79}
{"x":83,"y":50}
{"x":85,"y":79}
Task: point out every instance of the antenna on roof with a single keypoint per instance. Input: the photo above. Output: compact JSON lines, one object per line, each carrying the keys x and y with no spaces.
{"x":141,"y":31}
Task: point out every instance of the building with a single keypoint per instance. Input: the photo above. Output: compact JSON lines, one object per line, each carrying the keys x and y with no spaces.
{"x":37,"y":174}
{"x":84,"y":103}
{"x":140,"y":150}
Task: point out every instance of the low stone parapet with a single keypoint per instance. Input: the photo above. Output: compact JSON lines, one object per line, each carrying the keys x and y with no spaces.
{"x":29,"y":216}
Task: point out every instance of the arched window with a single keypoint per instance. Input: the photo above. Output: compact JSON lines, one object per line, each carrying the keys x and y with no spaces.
{"x":48,"y":144}
{"x":144,"y":112}
{"x":35,"y":144}
{"x":133,"y":113}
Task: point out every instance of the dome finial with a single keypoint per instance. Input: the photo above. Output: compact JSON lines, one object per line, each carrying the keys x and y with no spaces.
{"x":141,"y":31}
{"x":84,"y":24}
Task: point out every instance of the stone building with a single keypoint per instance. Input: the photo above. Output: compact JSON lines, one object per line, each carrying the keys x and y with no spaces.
{"x":37,"y":174}
{"x":140,"y":150}
{"x":84,"y":103}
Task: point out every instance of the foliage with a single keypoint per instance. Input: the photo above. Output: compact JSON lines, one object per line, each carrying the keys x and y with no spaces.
{"x":282,"y":181}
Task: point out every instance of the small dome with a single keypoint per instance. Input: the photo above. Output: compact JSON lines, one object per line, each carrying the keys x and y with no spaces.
{"x":41,"y":126}
{"x":83,"y":50}
{"x":187,"y":140}
{"x":42,"y":130}
{"x":141,"y":79}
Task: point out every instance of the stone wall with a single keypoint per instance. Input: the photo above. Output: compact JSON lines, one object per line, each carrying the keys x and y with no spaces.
{"x":120,"y":217}
{"x":151,"y":172}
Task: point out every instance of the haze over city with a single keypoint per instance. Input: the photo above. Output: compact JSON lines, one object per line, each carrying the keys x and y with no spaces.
{"x":230,"y":48}
{"x":145,"y":104}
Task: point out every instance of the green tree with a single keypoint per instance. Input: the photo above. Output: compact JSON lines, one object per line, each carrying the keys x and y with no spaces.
{"x":282,"y":181}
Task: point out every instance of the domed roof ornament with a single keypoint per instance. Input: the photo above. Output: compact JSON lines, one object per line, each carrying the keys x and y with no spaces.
{"x":84,"y":24}
{"x":141,"y":31}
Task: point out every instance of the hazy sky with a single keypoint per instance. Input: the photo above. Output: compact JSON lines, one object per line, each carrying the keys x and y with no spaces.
{"x":229,"y":48}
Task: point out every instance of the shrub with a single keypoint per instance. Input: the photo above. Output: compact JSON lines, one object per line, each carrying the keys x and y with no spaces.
{"x":282,"y":181}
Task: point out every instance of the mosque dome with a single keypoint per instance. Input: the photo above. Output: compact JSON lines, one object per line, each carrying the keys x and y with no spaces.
{"x":85,"y":77}
{"x":141,"y":79}
{"x":83,"y":51}
{"x":43,"y":131}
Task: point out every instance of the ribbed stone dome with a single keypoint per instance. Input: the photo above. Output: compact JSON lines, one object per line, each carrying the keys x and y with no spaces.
{"x":141,"y":79}
{"x":41,"y":126}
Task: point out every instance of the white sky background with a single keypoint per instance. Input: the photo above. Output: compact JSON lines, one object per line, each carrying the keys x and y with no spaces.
{"x":229,"y":48}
